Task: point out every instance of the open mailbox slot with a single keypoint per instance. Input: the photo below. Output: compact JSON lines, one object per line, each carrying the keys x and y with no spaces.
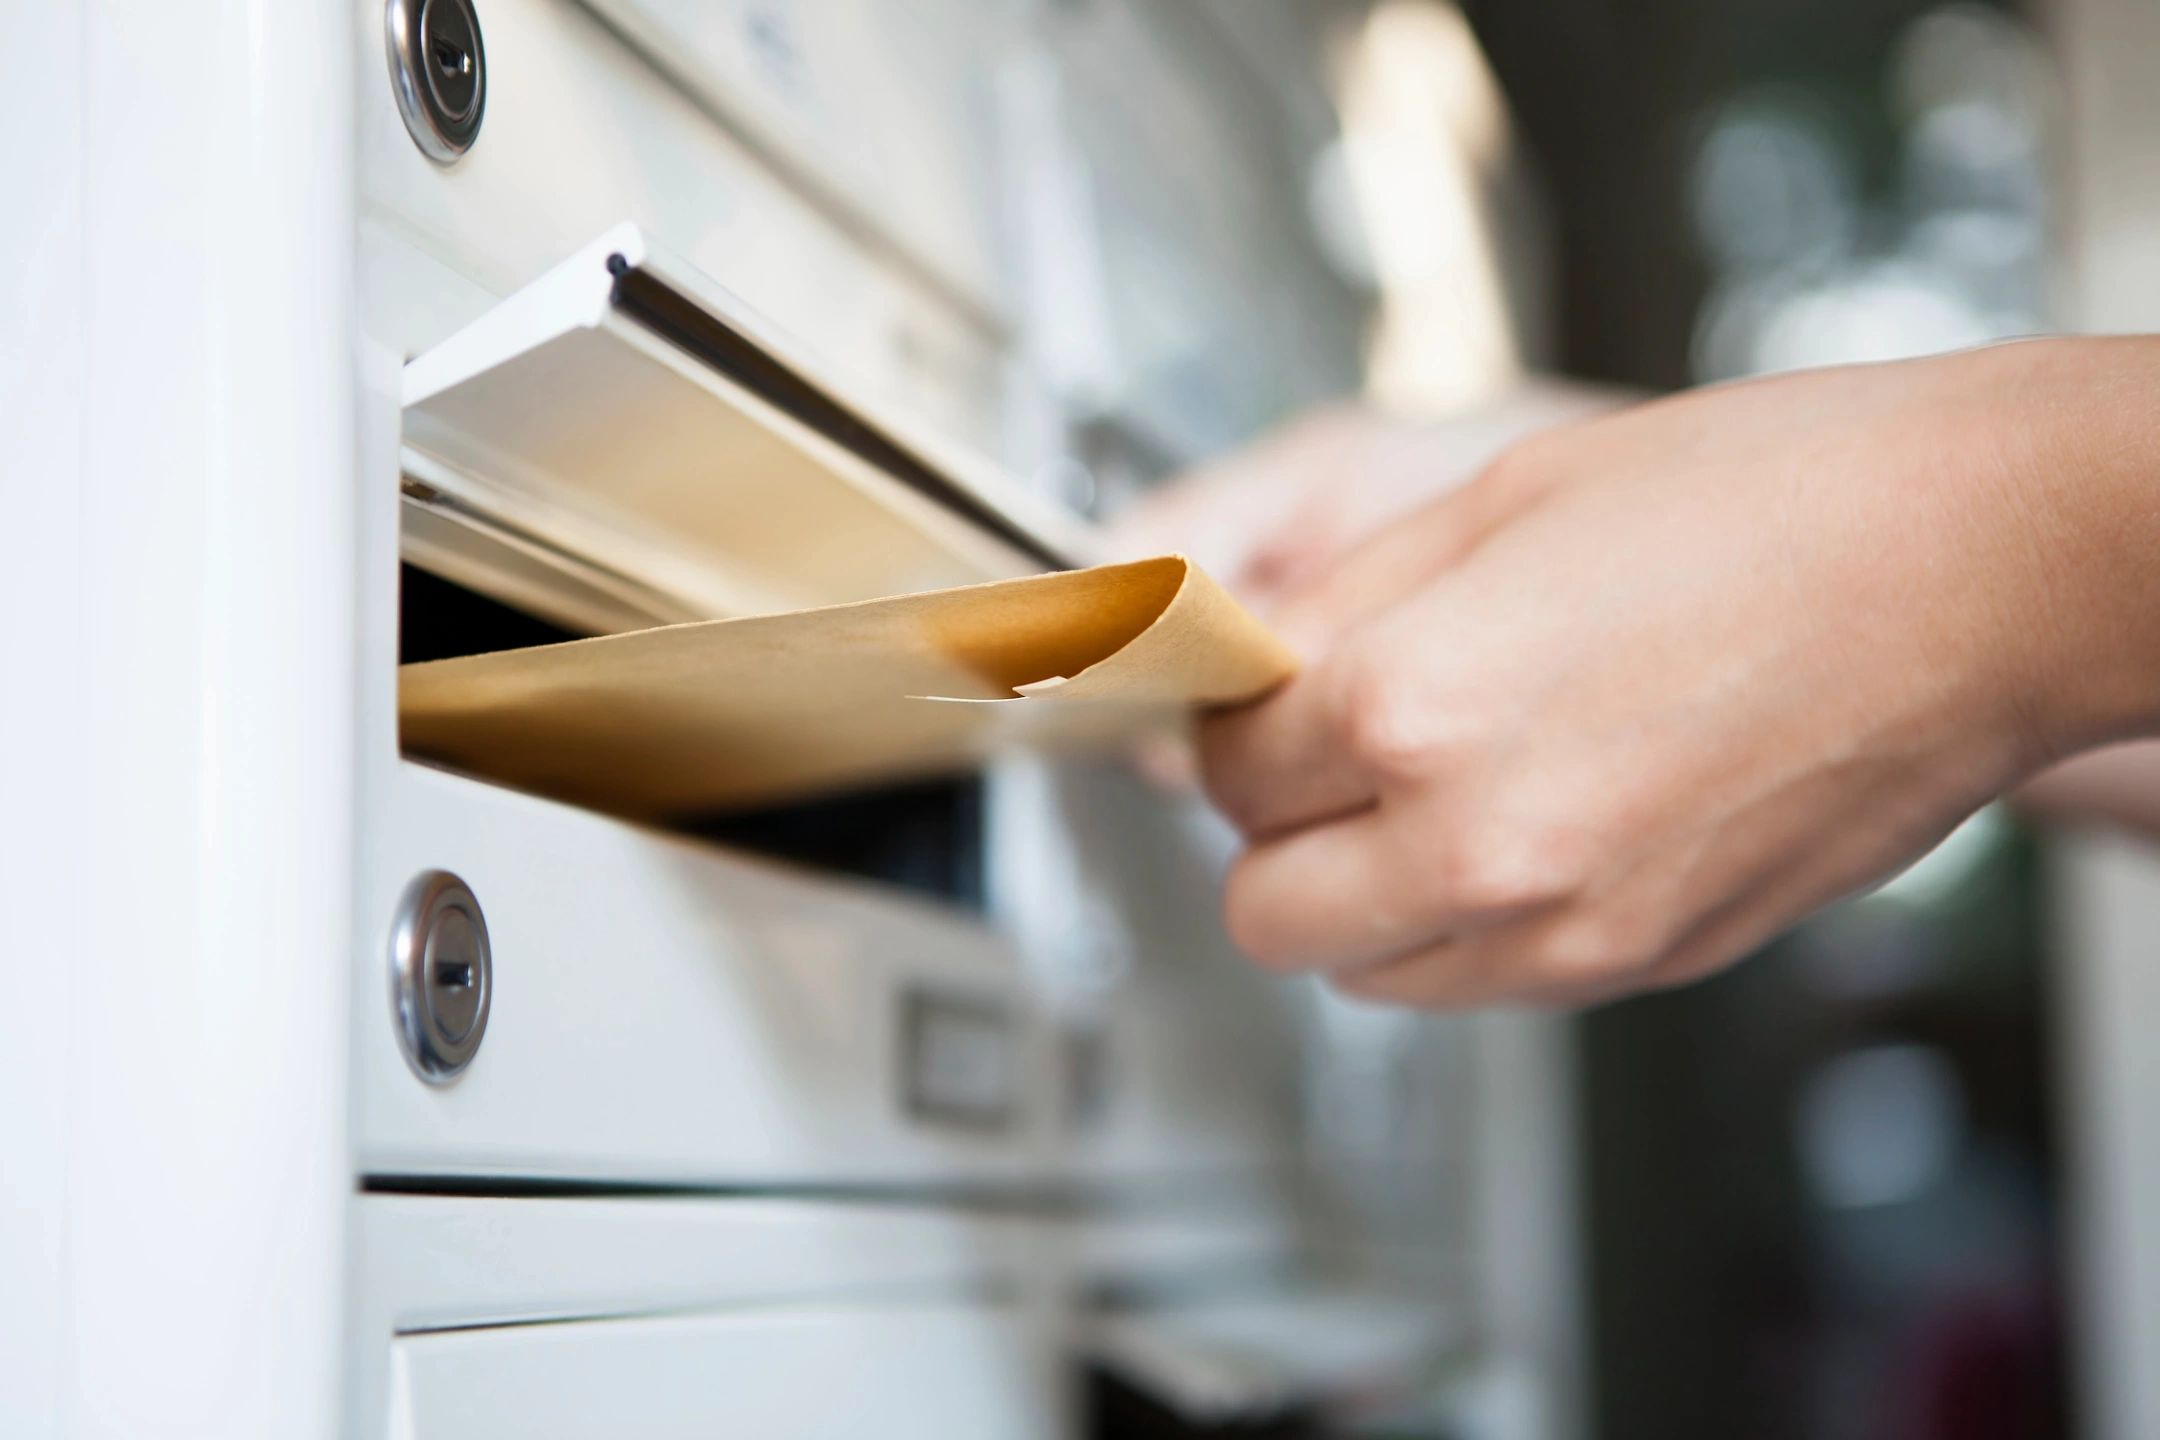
{"x":622,"y":443}
{"x":786,"y":597}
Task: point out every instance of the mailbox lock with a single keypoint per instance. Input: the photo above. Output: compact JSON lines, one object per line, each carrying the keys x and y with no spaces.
{"x":440,"y":975}
{"x":438,"y":70}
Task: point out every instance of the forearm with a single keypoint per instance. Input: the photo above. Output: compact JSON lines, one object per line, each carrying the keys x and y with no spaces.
{"x":1653,"y":687}
{"x":2077,"y":592}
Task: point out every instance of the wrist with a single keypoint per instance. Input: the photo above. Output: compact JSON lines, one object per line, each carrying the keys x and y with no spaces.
{"x":2072,"y":430}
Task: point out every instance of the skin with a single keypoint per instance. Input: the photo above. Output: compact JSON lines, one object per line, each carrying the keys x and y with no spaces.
{"x":1273,"y":519}
{"x":1653,"y":686}
{"x":2115,"y":787}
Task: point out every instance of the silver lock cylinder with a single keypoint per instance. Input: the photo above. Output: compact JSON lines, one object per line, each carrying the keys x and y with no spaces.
{"x":441,"y":975}
{"x":438,"y":69}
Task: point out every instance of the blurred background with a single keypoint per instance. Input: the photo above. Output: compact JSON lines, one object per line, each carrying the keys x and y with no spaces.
{"x":1832,"y":1193}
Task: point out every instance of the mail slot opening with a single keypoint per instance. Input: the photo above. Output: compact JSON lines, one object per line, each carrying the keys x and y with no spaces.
{"x":925,"y":836}
{"x":680,"y":570}
{"x":439,"y":619}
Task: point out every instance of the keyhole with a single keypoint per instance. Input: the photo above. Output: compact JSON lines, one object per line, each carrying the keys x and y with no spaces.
{"x":451,"y":59}
{"x":454,"y":977}
{"x":441,"y":970}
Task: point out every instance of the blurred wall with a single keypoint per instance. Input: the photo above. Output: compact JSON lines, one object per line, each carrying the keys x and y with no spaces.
{"x":1820,"y":1189}
{"x":2108,"y":890}
{"x":2109,"y":51}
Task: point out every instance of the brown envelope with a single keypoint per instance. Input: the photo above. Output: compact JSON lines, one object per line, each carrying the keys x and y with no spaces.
{"x":692,"y":719}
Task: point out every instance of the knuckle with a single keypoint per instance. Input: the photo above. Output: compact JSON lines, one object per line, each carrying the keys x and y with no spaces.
{"x":1518,"y":869}
{"x":1596,"y":946}
{"x":1523,"y":468}
{"x":1385,"y":724}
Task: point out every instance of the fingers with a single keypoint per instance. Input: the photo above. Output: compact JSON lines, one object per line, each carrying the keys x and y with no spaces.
{"x":1328,"y":743}
{"x":1284,"y":563}
{"x":1359,"y":890}
{"x":1508,"y":963}
{"x":1375,"y":575}
{"x":1386,"y":568}
{"x":1168,"y":763}
{"x":1568,"y":957}
{"x":1281,"y":763}
{"x":1250,"y":518}
{"x":1336,"y":776}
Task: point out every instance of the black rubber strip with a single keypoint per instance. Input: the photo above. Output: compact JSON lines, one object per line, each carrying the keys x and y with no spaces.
{"x":657,"y":306}
{"x":1165,"y":1196}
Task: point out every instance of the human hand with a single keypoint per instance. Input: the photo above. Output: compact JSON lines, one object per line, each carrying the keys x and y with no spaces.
{"x":1655,"y":686}
{"x":1271,"y":518}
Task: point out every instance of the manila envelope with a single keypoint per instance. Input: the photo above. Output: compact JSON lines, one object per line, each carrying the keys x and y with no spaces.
{"x":689,"y":720}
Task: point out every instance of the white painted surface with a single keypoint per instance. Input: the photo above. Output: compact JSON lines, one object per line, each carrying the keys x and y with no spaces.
{"x":567,"y":419}
{"x":2107,"y":904}
{"x":205,"y":1166}
{"x":721,"y":1060}
{"x":430,"y":1262}
{"x":665,"y":1011}
{"x":187,"y":905}
{"x":882,"y":112}
{"x":937,"y":1372}
{"x":1109,"y":889}
{"x":700,"y":1316}
{"x":581,"y":134}
{"x":42,"y":764}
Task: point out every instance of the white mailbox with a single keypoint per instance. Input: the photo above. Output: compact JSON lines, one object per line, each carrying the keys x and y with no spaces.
{"x":347,"y":1095}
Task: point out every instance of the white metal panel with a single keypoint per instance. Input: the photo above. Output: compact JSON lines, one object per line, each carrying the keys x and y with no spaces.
{"x":604,"y":441}
{"x":1110,"y":888}
{"x":560,"y":415}
{"x":581,"y":134}
{"x":940,"y":1372}
{"x":433,"y":1262}
{"x":43,"y":764}
{"x":206,"y":1169}
{"x":882,"y":110}
{"x":665,"y":1011}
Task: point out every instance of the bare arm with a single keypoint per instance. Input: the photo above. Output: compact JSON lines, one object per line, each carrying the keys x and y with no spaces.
{"x":1655,"y":686}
